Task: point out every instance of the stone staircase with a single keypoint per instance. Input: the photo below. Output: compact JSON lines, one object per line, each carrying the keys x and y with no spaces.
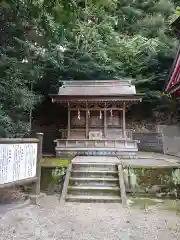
{"x":93,"y":182}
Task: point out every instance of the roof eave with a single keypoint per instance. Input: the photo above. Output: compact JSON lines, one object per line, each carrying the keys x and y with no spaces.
{"x":126,"y":98}
{"x":176,"y":24}
{"x":97,"y":96}
{"x":174,"y":88}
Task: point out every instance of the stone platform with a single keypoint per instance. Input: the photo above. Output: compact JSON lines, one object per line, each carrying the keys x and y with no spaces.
{"x":104,"y":178}
{"x":143,"y":159}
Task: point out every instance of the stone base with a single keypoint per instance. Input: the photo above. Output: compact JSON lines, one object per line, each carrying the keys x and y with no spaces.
{"x":98,"y":152}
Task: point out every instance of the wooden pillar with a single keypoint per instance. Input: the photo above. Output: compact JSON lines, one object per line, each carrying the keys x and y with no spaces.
{"x":87,"y":130}
{"x":105,"y":122}
{"x":69,"y":120}
{"x":124,"y":120}
{"x":36,"y":185}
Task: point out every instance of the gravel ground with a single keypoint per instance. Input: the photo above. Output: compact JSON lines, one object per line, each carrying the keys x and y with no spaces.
{"x":78,"y":221}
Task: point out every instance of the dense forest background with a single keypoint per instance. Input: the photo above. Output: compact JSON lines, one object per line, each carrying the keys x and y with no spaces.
{"x":43,"y":42}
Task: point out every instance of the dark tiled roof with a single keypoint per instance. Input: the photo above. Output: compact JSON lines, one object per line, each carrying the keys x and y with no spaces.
{"x":176,"y":24}
{"x":97,"y":88}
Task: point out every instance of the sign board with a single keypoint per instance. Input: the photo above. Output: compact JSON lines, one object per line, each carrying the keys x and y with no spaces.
{"x":95,"y":135}
{"x":17,"y":161}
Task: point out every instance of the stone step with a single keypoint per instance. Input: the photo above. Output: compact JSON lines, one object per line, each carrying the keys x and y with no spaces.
{"x":95,"y":166}
{"x":94,"y":181}
{"x":94,"y":190}
{"x":82,"y":198}
{"x":93,"y":173}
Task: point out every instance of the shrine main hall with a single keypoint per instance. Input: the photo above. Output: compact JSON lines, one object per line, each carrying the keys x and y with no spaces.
{"x":96,"y":118}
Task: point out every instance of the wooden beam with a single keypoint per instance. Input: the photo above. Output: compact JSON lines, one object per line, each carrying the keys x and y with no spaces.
{"x":19,"y":182}
{"x":69,"y":120}
{"x":87,"y":125}
{"x":36,"y":188}
{"x":105,"y":122}
{"x":95,"y":109}
{"x":124,"y":120}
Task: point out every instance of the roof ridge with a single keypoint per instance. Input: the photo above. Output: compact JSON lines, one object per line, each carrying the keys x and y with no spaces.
{"x":96,"y":82}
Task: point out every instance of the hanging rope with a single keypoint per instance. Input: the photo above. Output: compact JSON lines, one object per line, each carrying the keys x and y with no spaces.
{"x":100,"y":115}
{"x":111,"y":111}
{"x":79,"y":114}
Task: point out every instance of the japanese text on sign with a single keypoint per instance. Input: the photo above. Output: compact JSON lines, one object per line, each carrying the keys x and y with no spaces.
{"x":17,"y":162}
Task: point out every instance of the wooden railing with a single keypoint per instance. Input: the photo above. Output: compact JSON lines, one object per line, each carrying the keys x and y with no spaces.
{"x":74,"y":132}
{"x":103,"y":143}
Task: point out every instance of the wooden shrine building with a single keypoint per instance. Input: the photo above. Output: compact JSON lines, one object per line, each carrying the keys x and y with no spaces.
{"x":96,"y":122}
{"x":173,"y":86}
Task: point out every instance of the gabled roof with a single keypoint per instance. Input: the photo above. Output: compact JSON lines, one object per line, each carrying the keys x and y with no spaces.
{"x":97,"y":88}
{"x":97,"y":91}
{"x":176,"y":24}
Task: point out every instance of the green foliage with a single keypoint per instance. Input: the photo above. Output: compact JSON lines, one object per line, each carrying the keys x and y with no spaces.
{"x":178,"y":11}
{"x":43,"y":42}
{"x":17,"y":76}
{"x":176,"y":176}
{"x":58,"y":173}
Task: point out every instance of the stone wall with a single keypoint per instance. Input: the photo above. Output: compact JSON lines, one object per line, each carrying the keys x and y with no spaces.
{"x":171,"y":139}
{"x":140,"y":126}
{"x":149,"y":141}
